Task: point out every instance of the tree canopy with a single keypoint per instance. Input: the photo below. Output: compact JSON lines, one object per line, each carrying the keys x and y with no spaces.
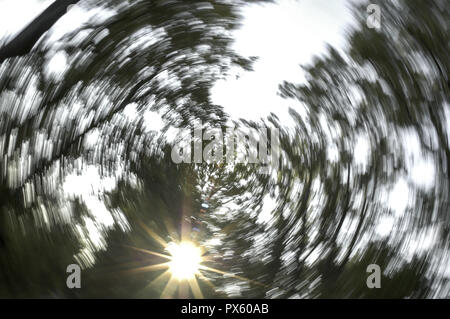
{"x":307,"y":229}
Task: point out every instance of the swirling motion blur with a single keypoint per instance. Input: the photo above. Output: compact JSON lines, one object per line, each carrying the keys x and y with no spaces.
{"x":86,"y":172}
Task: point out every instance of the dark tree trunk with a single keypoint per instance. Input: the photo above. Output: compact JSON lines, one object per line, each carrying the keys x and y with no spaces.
{"x":27,"y":38}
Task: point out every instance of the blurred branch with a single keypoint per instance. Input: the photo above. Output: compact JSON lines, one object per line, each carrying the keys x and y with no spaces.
{"x":25,"y":40}
{"x":66,"y":149}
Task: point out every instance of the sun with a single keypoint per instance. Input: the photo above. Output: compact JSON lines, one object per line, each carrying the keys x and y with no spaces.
{"x":185,"y":265}
{"x":185,"y":261}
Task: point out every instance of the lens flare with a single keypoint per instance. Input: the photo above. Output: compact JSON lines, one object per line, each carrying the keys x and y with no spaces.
{"x":185,"y":260}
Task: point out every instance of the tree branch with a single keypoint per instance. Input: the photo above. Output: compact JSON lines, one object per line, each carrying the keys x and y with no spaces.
{"x":28,"y":37}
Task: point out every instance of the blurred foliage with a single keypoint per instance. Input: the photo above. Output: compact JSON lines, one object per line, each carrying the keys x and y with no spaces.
{"x":307,"y":229}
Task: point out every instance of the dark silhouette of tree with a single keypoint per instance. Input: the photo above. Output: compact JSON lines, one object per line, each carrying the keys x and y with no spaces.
{"x":27,"y":38}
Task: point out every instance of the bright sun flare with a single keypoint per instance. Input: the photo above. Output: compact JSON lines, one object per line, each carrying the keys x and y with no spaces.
{"x":185,"y":266}
{"x":185,"y":260}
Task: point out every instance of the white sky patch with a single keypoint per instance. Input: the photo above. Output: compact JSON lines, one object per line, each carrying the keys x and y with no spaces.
{"x":90,"y":187}
{"x":130,"y":111}
{"x":419,"y":165}
{"x":283,"y":35}
{"x":399,"y":197}
{"x":269,"y":204}
{"x":75,"y":17}
{"x":385,"y":226}
{"x":153,"y":121}
{"x":15,"y":14}
{"x":56,"y":65}
{"x":361,"y":151}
